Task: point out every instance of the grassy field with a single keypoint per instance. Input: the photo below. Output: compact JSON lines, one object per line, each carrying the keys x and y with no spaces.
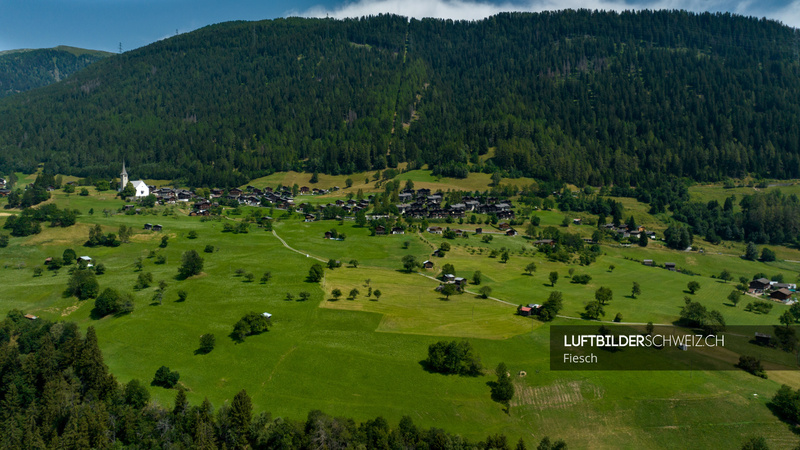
{"x":361,"y":358}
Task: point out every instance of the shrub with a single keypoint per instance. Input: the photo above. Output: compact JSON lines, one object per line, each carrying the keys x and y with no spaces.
{"x":453,"y":358}
{"x":207,"y":343}
{"x":165,"y":378}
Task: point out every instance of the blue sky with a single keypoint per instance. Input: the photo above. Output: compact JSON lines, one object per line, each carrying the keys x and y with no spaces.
{"x":104,"y":24}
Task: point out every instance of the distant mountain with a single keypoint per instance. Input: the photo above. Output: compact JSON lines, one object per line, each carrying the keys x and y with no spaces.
{"x":577,"y":96}
{"x":25,"y":69}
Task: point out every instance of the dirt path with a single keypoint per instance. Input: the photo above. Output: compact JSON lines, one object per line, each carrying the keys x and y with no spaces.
{"x":295,"y":250}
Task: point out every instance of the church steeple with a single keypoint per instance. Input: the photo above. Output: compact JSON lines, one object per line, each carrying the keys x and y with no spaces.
{"x":123,"y":177}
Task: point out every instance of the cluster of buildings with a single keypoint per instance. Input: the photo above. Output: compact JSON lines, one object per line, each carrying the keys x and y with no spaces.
{"x":421,"y":204}
{"x":776,"y":290}
{"x":3,"y":190}
{"x":624,"y":231}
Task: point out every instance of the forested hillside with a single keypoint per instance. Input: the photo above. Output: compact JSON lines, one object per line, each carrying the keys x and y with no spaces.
{"x":23,"y":70}
{"x":578,"y":96}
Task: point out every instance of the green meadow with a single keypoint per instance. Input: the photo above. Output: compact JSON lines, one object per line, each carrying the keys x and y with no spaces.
{"x":361,"y":357}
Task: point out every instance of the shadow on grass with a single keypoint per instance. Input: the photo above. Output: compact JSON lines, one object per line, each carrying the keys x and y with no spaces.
{"x":203,"y":351}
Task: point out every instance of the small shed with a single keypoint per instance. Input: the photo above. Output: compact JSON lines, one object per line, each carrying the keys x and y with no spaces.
{"x":30,"y":317}
{"x":648,"y":262}
{"x":267,"y":315}
{"x":524,"y":311}
{"x":157,"y":227}
{"x":428,"y":264}
{"x":763,"y":339}
{"x":148,"y":226}
{"x":670,"y":266}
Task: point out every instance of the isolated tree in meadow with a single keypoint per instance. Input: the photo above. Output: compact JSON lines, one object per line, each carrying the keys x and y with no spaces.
{"x":191,"y":264}
{"x":354,"y":293}
{"x":249,"y":277}
{"x":410,"y":263}
{"x":735,"y":297}
{"x":530,"y":268}
{"x":636,"y":289}
{"x":693,"y":286}
{"x":354,"y":263}
{"x":336,"y":293}
{"x":503,"y":388}
{"x":207,"y":343}
{"x":139,"y":264}
{"x":643,"y":240}
{"x":182,"y":295}
{"x":725,"y":275}
{"x":751,"y":252}
{"x":767,"y":255}
{"x":485,"y":291}
{"x":164,"y":241}
{"x":553,"y":278}
{"x":476,"y":277}
{"x":304,"y":295}
{"x":603,"y":295}
{"x":315,"y":273}
{"x":266,"y":277}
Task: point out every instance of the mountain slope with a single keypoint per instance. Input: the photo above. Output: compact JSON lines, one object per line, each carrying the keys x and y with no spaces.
{"x":580,"y":96}
{"x":22,"y":70}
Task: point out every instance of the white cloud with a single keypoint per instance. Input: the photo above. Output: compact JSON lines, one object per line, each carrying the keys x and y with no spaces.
{"x":475,"y":10}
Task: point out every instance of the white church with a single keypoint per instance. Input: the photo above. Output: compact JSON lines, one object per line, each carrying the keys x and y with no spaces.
{"x":140,"y":186}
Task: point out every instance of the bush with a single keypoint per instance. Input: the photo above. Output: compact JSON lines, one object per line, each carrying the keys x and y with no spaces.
{"x":251,"y":324}
{"x":453,"y":358}
{"x":207,"y":343}
{"x":165,"y":378}
{"x":752,"y":365}
{"x":144,"y":280}
{"x":581,"y":279}
{"x":315,"y":273}
{"x":110,"y":301}
{"x":209,"y":249}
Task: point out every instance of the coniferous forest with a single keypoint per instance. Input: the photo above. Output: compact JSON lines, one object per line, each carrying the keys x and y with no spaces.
{"x":576,"y":96}
{"x":28,"y":69}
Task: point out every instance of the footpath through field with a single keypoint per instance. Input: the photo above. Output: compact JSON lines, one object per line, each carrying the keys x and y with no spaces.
{"x":295,"y":250}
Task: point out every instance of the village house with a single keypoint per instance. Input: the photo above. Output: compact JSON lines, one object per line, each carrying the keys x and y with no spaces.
{"x":428,"y":264}
{"x":781,"y":294}
{"x":759,"y":285}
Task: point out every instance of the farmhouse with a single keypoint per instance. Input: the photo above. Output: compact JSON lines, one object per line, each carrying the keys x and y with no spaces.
{"x":428,"y":264}
{"x":380,"y":229}
{"x":398,"y":230}
{"x":524,"y":311}
{"x":648,"y":262}
{"x":781,"y":294}
{"x":759,"y":285}
{"x":30,"y":317}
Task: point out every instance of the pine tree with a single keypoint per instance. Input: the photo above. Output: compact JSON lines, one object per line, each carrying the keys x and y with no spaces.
{"x":241,"y":414}
{"x":90,"y":367}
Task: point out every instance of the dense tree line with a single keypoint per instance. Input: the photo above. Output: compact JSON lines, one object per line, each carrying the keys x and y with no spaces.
{"x":577,"y":96}
{"x":771,"y":218}
{"x":57,"y":392}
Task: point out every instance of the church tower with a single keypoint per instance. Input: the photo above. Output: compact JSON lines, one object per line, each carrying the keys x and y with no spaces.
{"x":123,"y":177}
